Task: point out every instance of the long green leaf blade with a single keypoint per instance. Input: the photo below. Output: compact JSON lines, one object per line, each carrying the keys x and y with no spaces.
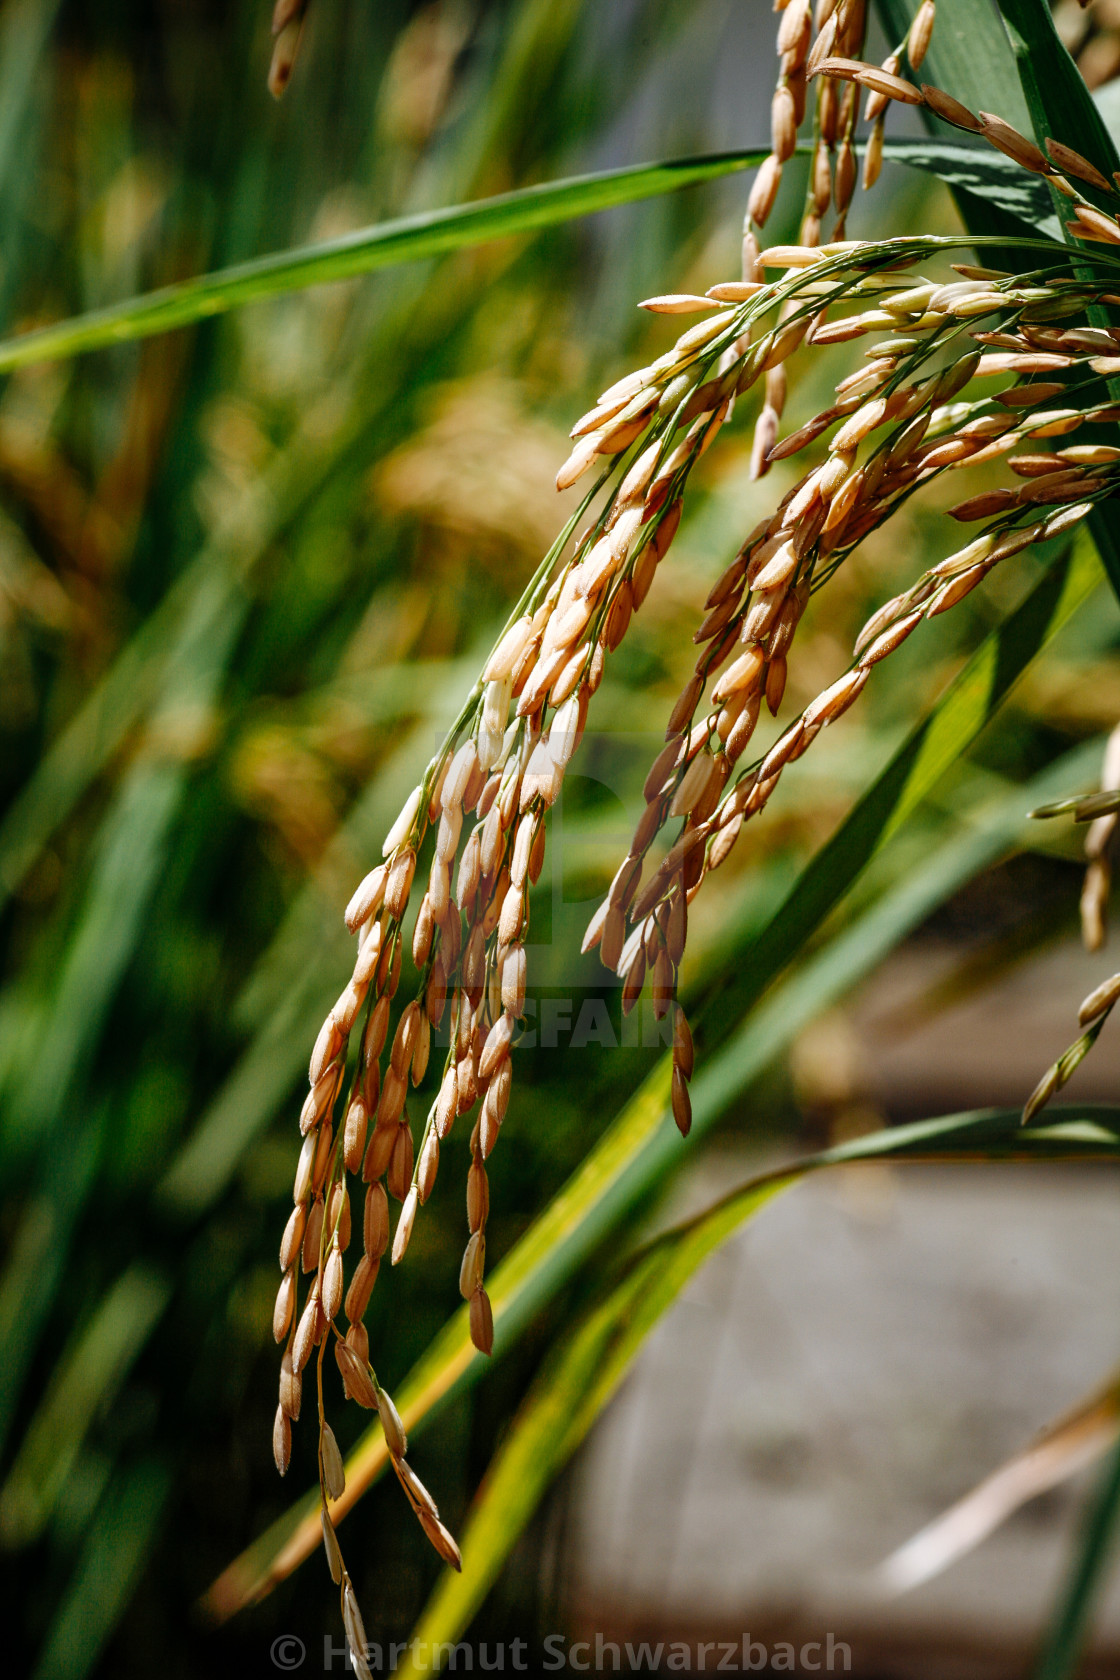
{"x":24,"y":33}
{"x":114,"y":1556}
{"x":435,"y":233}
{"x":969,"y":55}
{"x":984,"y":174}
{"x":989,"y":63}
{"x":1062,"y":107}
{"x":408,"y":239}
{"x":1059,"y":102}
{"x":1069,"y":1632}
{"x":198,"y":607}
{"x":85,"y":1379}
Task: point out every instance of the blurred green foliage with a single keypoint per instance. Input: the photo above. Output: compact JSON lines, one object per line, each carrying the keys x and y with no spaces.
{"x":246,"y":572}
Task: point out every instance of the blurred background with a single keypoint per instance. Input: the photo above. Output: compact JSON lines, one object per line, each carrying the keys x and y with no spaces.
{"x":245,"y":572}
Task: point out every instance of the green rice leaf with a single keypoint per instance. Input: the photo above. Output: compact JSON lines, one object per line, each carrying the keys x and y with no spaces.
{"x":435,"y":233}
{"x":87,"y":1376}
{"x":982,"y":173}
{"x":116,"y":1550}
{"x":1069,"y":1632}
{"x":1060,"y":105}
{"x":408,"y":239}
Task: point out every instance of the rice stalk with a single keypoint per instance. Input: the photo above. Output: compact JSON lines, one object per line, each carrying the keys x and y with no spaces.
{"x":918,"y":409}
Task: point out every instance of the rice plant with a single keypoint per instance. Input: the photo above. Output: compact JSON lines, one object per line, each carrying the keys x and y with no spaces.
{"x":990,"y":346}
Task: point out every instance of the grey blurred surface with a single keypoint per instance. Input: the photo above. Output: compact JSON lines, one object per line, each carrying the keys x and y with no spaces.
{"x":986,"y":1048}
{"x":868,"y":1348}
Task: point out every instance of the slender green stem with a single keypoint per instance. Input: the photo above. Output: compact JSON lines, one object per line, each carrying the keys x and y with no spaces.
{"x":1071,"y":1625}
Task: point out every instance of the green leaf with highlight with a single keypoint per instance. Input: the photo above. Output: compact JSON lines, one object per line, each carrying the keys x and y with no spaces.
{"x":436,"y":233}
{"x":983,"y":174}
{"x":433,"y":233}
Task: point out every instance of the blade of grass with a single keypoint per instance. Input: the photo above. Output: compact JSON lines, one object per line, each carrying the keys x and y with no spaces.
{"x":115,"y":1552}
{"x":36,"y":1259}
{"x":1070,"y":1629}
{"x":437,"y":232}
{"x":1060,"y":105}
{"x":198,"y":605}
{"x":24,"y":32}
{"x":407,"y":239}
{"x":636,"y":1152}
{"x":986,"y":59}
{"x":86,"y":1377}
{"x":592,"y":1358}
{"x":127,"y":856}
{"x":129,"y":853}
{"x":969,"y":55}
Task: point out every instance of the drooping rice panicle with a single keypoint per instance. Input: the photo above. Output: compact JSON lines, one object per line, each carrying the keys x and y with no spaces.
{"x":910,"y":426}
{"x":504,"y":762}
{"x":473,"y":832}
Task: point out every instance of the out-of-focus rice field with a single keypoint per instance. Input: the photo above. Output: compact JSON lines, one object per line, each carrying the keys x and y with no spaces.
{"x":247,"y":570}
